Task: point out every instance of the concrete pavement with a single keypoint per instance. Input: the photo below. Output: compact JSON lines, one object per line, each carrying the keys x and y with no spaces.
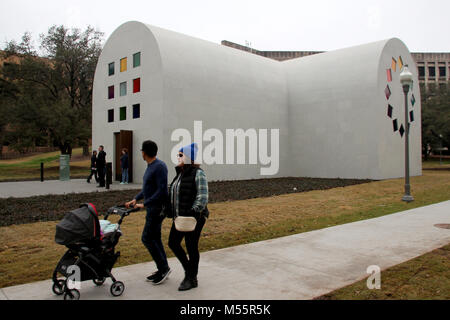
{"x":22,"y":189}
{"x":301,"y":266}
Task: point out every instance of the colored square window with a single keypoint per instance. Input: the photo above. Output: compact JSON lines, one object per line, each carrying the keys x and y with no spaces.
{"x":137,"y":85}
{"x":411,"y":116}
{"x":123,"y":64}
{"x":389,"y":75}
{"x":123,"y":113}
{"x":111,"y":115}
{"x":111,"y":92}
{"x":136,"y":60}
{"x":123,"y":89}
{"x":111,"y":68}
{"x":136,"y":111}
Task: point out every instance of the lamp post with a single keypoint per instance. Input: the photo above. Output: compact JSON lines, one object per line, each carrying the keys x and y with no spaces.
{"x":406,"y":79}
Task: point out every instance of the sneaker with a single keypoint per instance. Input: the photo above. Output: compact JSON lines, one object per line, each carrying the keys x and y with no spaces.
{"x":122,"y":183}
{"x":188,"y":283}
{"x":126,"y":182}
{"x":153,"y":276}
{"x":161,"y":277}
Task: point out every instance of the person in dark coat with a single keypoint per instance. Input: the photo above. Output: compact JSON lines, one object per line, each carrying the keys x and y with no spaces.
{"x":124,"y":165}
{"x":93,"y":167}
{"x":101,"y":166}
{"x":154,"y":192}
{"x":188,"y":196}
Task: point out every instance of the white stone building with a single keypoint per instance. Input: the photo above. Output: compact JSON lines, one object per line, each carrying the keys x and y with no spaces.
{"x":339,"y":113}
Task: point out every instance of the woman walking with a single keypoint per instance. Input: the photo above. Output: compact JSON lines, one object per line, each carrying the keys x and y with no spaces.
{"x":124,"y":165}
{"x":188,"y":197}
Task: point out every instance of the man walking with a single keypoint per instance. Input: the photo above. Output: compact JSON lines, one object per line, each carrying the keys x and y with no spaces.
{"x":155,"y":194}
{"x":101,"y":163}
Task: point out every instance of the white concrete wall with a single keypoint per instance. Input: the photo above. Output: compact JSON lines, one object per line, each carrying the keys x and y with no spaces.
{"x":330,"y":108}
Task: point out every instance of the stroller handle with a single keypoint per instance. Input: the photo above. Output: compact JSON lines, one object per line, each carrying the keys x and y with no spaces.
{"x":121,"y":210}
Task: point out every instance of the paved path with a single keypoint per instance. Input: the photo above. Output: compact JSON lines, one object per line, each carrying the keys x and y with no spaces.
{"x":37,"y":188}
{"x":301,"y":266}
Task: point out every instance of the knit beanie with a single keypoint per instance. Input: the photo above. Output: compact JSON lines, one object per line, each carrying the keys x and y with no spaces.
{"x":190,"y":150}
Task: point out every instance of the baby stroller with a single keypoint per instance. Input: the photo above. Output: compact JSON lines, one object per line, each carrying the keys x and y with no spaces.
{"x":91,"y":243}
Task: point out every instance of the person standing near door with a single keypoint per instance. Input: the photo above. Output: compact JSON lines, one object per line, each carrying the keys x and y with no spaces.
{"x":101,"y":166}
{"x":93,"y":167}
{"x":155,"y":195}
{"x":124,"y":166}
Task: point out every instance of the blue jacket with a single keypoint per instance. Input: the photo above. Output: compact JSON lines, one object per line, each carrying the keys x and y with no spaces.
{"x":154,"y":189}
{"x":124,"y":161}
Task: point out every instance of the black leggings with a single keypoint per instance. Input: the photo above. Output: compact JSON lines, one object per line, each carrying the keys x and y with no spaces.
{"x":191,"y":239}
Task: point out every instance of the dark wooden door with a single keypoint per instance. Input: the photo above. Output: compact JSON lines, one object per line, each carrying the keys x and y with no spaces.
{"x":124,"y":139}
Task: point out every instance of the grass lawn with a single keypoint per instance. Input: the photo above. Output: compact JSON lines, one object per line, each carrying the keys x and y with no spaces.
{"x":425,"y":277}
{"x":28,"y":252}
{"x":28,"y":168}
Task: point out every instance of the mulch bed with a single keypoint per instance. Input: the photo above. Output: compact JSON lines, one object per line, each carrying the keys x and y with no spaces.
{"x":53,"y":207}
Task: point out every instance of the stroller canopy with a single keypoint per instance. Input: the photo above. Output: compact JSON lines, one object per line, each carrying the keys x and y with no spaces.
{"x":78,"y":225}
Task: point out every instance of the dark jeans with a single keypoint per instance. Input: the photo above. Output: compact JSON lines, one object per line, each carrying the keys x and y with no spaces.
{"x":151,"y":237}
{"x":93,"y":173}
{"x":101,"y":176}
{"x":191,"y":239}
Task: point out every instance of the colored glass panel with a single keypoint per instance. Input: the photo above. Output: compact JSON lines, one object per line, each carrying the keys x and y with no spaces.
{"x":111,"y":68}
{"x":136,"y":111}
{"x":123,"y":64}
{"x":390,"y":109}
{"x":413,"y":100}
{"x":387,"y":92}
{"x":389,"y":75}
{"x":137,"y":85}
{"x":411,"y":116}
{"x":401,"y":130}
{"x":136,"y":60}
{"x":123,"y":113}
{"x":111,"y":115}
{"x":394,"y":65}
{"x":111,"y":92}
{"x":395,"y":124}
{"x":400,"y":63}
{"x":123,"y":89}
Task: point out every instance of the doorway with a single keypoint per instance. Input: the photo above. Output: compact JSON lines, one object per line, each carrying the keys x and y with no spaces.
{"x":123,"y":139}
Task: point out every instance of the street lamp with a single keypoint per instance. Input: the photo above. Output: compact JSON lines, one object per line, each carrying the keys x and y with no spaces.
{"x":406,"y":79}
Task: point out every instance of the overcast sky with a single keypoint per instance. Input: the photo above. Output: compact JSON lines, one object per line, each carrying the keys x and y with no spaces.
{"x":269,"y":25}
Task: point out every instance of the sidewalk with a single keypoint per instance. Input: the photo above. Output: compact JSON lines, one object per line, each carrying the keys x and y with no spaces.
{"x":301,"y":266}
{"x":22,"y":189}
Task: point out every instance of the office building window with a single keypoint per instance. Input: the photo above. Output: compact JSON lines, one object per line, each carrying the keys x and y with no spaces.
{"x":136,"y":60}
{"x":111,"y":68}
{"x":442,"y":72}
{"x":123,"y":89}
{"x":431,"y":71}
{"x":111,"y":115}
{"x":421,"y":72}
{"x":137,"y":85}
{"x":123,"y":64}
{"x":111,"y":92}
{"x":136,"y":111}
{"x":123,"y":113}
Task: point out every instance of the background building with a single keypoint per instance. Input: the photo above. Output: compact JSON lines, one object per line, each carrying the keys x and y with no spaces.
{"x":432,"y":67}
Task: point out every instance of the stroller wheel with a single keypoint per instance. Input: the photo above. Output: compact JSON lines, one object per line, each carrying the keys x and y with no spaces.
{"x":117,"y":288}
{"x":72,"y":294}
{"x":99,"y":282}
{"x":58,"y":287}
